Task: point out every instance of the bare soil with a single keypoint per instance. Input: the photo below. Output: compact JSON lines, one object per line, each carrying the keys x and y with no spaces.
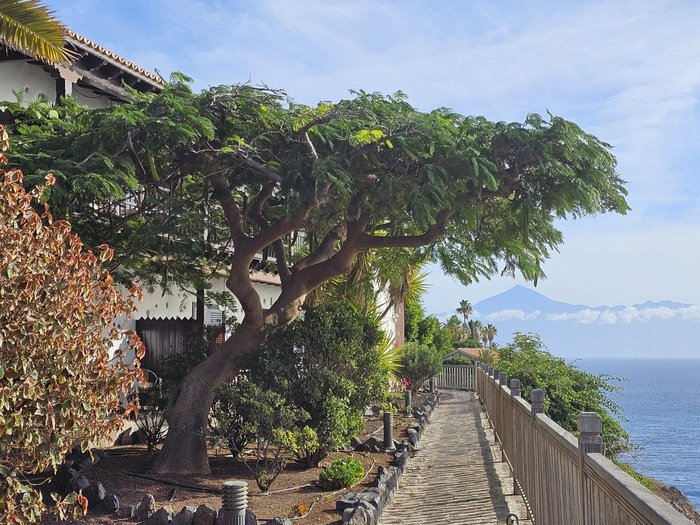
{"x":124,"y":471}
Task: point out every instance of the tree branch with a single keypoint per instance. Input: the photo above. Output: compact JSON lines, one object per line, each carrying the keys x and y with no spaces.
{"x":275,"y":231}
{"x":325,"y":250}
{"x":230,"y":208}
{"x":438,"y":229}
{"x":278,"y":246}
{"x":310,"y":144}
{"x":256,"y":166}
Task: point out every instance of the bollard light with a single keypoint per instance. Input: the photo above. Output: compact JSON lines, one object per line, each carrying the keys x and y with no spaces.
{"x":389,"y":432}
{"x":234,"y":502}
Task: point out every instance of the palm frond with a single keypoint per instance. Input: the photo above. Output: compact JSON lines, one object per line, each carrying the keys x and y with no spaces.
{"x":390,"y":357}
{"x":32,"y":28}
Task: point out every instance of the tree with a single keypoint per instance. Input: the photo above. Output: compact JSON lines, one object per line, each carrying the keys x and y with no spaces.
{"x":475,"y":328}
{"x":30,"y":27}
{"x":60,"y":386}
{"x":569,"y":390}
{"x":490,"y":332}
{"x":456,"y":328}
{"x":240,"y":167}
{"x":465,"y":309}
{"x":419,"y":363}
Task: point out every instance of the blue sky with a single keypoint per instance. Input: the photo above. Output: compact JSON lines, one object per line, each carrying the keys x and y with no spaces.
{"x":627,"y":71}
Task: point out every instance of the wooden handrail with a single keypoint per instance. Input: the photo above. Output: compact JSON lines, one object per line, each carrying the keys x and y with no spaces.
{"x":564,"y":479}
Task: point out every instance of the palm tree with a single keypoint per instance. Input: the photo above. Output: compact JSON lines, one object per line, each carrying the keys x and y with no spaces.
{"x":490,"y":331}
{"x":475,"y":329}
{"x":465,"y":309}
{"x":30,"y":27}
{"x":456,"y":328}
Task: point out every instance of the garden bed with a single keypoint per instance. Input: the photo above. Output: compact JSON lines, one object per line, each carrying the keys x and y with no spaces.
{"x":124,"y":471}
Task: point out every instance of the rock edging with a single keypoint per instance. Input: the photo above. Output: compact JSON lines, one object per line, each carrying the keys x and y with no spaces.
{"x":365,"y":508}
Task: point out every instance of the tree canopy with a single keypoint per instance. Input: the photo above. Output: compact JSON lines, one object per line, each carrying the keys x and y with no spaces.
{"x":367,"y":172}
{"x":182,"y":184}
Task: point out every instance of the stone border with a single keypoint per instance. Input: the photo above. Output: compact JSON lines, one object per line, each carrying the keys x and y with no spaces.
{"x":365,"y":508}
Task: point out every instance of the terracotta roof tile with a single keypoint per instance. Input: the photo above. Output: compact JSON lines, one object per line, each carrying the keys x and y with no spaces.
{"x":111,"y":54}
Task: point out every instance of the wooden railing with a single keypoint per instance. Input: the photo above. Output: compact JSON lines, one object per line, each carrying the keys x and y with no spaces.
{"x":458,"y":377}
{"x":564,"y":479}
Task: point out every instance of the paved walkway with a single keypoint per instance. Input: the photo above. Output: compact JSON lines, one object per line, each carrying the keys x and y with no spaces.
{"x":456,"y":477}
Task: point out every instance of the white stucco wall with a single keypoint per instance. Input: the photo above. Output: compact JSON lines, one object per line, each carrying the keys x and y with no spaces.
{"x":388,"y":323}
{"x":181,"y":304}
{"x":20,"y":75}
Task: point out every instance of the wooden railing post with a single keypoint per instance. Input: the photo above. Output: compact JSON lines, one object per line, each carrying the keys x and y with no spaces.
{"x":590,"y":440}
{"x":514,"y":392}
{"x":502,"y":378}
{"x":538,"y":491}
{"x":537,"y":401}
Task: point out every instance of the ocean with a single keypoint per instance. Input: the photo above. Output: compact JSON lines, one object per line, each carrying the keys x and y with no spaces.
{"x":661,"y":401}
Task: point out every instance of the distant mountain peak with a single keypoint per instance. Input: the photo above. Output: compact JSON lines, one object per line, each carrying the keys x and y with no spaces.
{"x":527,"y":300}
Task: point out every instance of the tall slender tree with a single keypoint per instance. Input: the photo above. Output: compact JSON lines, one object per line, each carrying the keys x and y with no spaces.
{"x":490,"y":332}
{"x":465,"y":310}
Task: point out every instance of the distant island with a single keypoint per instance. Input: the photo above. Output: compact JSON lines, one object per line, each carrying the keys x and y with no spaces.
{"x":650,"y":329}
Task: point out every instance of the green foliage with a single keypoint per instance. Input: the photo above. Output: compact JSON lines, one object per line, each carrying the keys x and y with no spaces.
{"x":390,"y":357}
{"x":413,"y":314}
{"x":248,"y":412}
{"x":150,"y":418}
{"x":327,"y":363}
{"x":303,"y":443}
{"x":61,"y":382}
{"x":164,"y":152}
{"x":457,"y":360}
{"x":31,"y":27}
{"x":419,"y":363}
{"x":230,"y":416}
{"x":457,"y":331}
{"x":649,"y":483}
{"x":342,"y":473}
{"x":568,"y":389}
{"x":467,"y":343}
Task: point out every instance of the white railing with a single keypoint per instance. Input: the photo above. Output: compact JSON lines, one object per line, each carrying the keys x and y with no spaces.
{"x":457,"y":377}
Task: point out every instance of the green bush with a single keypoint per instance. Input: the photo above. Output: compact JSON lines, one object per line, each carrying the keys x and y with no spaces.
{"x":230,"y":414}
{"x":328,"y":364}
{"x":303,"y":443}
{"x":246,"y":412}
{"x":568,"y":389}
{"x":342,"y":473}
{"x":419,"y":363}
{"x":457,"y":360}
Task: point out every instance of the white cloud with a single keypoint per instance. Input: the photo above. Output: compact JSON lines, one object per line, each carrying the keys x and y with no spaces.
{"x":505,"y":315}
{"x":583,"y":316}
{"x":628,"y":315}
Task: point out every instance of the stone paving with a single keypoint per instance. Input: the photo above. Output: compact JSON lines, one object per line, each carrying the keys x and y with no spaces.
{"x":457,"y":476}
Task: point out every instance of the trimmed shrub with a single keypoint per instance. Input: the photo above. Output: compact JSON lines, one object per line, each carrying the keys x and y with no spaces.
{"x":328,"y":363}
{"x":342,"y":473}
{"x":419,"y":363}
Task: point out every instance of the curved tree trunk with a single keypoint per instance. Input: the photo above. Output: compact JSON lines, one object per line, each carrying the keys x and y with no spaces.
{"x":185,"y":448}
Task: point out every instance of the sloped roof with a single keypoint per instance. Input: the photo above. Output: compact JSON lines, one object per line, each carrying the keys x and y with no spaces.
{"x":79,"y":41}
